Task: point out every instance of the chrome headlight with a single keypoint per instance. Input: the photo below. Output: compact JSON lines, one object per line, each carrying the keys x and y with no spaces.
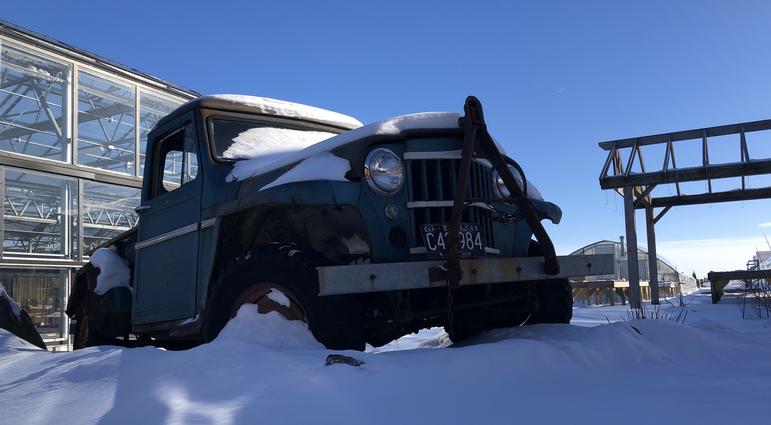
{"x":499,"y":187}
{"x":383,"y":171}
{"x":501,"y":191}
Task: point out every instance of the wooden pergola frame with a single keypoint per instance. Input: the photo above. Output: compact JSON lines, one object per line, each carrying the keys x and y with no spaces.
{"x":636,"y":187}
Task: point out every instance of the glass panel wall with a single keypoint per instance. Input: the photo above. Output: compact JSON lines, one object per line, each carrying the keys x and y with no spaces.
{"x":59,"y":109}
{"x":108,"y":210}
{"x":106,"y":137}
{"x":43,"y":294}
{"x":34,"y":97}
{"x":39,"y":214}
{"x":151,"y":109}
{"x":36,"y":116}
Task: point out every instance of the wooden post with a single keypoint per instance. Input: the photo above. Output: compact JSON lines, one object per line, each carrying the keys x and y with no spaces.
{"x":588,"y":295}
{"x":653,"y":262}
{"x":633,"y":267}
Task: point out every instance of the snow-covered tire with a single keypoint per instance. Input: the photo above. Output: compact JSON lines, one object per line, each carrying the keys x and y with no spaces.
{"x":336,"y":321}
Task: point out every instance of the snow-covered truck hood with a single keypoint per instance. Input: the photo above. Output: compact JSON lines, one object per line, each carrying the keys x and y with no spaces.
{"x":391,"y":127}
{"x":304,"y":158}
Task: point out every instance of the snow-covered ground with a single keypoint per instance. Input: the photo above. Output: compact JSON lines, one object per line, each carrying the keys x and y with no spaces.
{"x":714,"y":369}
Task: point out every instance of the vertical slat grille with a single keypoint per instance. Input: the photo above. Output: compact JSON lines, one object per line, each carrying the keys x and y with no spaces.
{"x":434,"y":180}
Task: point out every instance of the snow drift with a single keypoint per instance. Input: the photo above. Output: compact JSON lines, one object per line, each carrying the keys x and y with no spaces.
{"x":706,"y":373}
{"x":269,"y":330}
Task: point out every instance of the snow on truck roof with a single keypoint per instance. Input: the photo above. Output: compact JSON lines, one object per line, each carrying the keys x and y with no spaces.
{"x":283,"y":108}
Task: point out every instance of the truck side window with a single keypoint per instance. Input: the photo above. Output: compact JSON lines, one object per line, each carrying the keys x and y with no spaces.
{"x":178,"y":160}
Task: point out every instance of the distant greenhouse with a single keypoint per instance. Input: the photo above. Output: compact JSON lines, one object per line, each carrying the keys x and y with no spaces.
{"x":667,"y":272}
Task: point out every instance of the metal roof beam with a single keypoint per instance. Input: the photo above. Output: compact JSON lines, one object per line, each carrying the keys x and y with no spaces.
{"x":680,"y":175}
{"x":106,"y":112}
{"x":687,"y":135}
{"x":711,"y":198}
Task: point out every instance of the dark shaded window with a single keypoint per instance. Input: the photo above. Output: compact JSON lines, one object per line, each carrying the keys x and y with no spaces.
{"x":178,"y":160}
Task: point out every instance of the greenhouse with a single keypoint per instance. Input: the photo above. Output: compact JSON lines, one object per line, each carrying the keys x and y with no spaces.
{"x":73,"y":132}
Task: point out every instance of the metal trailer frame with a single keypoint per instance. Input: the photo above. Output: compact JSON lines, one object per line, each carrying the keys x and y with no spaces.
{"x":632,"y":181}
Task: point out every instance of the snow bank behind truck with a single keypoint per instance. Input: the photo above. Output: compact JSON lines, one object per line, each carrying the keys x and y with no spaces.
{"x":366,"y":233}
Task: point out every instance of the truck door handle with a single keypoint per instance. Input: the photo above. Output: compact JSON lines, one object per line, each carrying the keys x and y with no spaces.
{"x":141,"y":208}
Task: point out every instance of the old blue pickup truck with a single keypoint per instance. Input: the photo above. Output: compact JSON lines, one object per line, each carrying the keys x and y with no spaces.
{"x":366,"y":233}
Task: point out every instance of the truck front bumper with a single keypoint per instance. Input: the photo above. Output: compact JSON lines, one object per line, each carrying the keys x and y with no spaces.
{"x":380,"y":277}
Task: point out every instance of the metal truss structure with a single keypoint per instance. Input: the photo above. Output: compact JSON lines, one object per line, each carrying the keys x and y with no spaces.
{"x":32,"y":93}
{"x":42,"y":217}
{"x":36,"y":111}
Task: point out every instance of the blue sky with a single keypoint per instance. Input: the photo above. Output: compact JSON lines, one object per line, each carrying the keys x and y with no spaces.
{"x":555,"y":78}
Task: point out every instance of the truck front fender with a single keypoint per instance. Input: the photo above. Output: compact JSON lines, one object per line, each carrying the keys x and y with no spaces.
{"x":322,"y":216}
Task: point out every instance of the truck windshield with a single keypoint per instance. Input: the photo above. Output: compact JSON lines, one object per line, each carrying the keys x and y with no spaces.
{"x":236,"y":140}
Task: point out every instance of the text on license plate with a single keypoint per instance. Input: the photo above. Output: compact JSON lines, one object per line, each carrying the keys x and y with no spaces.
{"x":436,"y":240}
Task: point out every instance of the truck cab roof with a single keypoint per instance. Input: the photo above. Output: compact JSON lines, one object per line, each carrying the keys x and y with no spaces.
{"x":269,"y":107}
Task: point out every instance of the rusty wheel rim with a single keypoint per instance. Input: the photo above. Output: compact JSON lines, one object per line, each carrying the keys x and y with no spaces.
{"x":258,"y":294}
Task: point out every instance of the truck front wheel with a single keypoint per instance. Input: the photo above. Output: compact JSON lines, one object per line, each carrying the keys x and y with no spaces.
{"x":284,"y":279}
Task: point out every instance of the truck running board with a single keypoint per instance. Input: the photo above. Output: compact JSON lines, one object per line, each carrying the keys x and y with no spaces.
{"x":363,"y":278}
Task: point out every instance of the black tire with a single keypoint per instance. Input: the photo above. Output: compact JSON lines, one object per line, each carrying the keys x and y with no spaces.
{"x":464,"y":326}
{"x":467,"y":324}
{"x":555,"y":296}
{"x":81,"y":335}
{"x":95,"y":326}
{"x":336,"y":321}
{"x":84,"y":336}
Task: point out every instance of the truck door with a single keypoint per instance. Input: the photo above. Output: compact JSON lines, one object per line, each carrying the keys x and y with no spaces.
{"x":167,"y":244}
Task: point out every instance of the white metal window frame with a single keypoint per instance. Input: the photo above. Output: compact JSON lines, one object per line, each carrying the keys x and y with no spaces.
{"x":66,"y":106}
{"x":71,"y":109}
{"x":140,"y":85}
{"x":65,"y":338}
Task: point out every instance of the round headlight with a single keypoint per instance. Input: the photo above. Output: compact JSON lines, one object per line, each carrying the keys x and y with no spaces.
{"x":501,"y":191}
{"x":499,"y":187}
{"x":383,"y":171}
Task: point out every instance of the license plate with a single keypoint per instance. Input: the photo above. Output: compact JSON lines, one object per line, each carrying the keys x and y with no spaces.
{"x":436,"y":240}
